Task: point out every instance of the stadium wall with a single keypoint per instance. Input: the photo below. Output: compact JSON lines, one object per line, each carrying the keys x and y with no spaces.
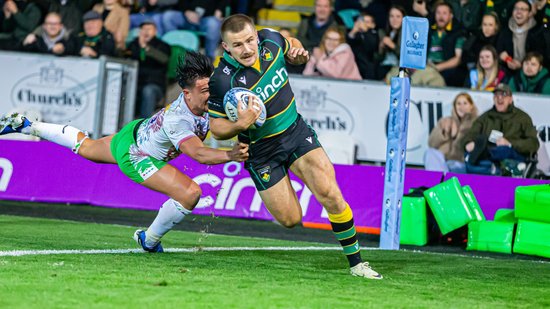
{"x":45,"y":172}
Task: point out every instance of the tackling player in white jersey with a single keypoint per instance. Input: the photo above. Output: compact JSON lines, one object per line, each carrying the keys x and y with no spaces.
{"x":144,"y":146}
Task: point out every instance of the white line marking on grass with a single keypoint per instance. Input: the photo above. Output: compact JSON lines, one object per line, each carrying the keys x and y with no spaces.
{"x":170,"y":250}
{"x":221,"y":249}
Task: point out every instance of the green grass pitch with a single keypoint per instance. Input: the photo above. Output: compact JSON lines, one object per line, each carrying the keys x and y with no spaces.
{"x":245,"y":279}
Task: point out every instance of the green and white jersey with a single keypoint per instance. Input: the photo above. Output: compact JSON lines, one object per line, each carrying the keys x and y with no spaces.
{"x":270,"y":83}
{"x":161,"y":135}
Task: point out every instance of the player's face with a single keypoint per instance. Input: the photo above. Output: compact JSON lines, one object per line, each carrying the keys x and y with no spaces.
{"x":243,"y":45}
{"x":197,"y":97}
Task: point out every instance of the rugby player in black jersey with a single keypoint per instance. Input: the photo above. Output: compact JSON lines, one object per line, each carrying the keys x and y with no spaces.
{"x":257,"y":60}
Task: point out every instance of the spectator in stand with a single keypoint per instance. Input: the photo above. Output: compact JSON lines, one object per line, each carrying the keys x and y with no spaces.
{"x":428,"y":77}
{"x":468,"y":13}
{"x":445,"y":41}
{"x":487,"y":74}
{"x":423,"y":8}
{"x":152,"y":10}
{"x":51,"y":38}
{"x":116,"y":20}
{"x":333,"y":58}
{"x":71,"y":13}
{"x":390,"y":42}
{"x":514,"y":41}
{"x":20,"y":18}
{"x":312,"y":28}
{"x":533,"y":77}
{"x":198,"y":15}
{"x":487,"y":35}
{"x":445,"y":152}
{"x":153,"y":56}
{"x":291,"y":68}
{"x":95,"y":40}
{"x":542,"y":17}
{"x":363,"y":39}
{"x":501,"y":139}
{"x":503,"y":8}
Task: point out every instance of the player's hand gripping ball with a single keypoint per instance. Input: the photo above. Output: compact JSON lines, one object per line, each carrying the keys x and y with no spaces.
{"x":232,"y":98}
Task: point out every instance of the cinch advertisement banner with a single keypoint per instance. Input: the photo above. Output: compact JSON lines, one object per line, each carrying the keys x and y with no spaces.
{"x":414,"y":41}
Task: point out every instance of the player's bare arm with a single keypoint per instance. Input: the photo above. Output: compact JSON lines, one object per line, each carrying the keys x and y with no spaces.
{"x":296,"y":54}
{"x":194,"y":148}
{"x":223,"y":129}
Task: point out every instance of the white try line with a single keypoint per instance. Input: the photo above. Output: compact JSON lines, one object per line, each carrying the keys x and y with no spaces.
{"x":169,"y":250}
{"x":221,"y":249}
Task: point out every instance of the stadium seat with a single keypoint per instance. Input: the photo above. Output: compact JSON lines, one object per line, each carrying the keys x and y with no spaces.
{"x":306,"y":6}
{"x":183,"y":38}
{"x":271,"y":18}
{"x":177,"y":52}
{"x":339,"y":146}
{"x":348,"y":17}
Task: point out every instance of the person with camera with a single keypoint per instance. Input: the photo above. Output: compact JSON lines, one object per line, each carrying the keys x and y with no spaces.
{"x":363,"y":39}
{"x":501,"y":139}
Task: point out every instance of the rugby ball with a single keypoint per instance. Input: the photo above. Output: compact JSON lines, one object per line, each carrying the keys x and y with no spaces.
{"x":239,"y":94}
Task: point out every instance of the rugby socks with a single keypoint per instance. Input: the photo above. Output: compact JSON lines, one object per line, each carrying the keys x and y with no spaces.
{"x":60,"y":134}
{"x":170,"y":214}
{"x":344,"y":230}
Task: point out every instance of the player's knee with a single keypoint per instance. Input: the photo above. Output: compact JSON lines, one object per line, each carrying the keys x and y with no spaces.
{"x":325,"y":194}
{"x":290,"y":222}
{"x":194,"y":192}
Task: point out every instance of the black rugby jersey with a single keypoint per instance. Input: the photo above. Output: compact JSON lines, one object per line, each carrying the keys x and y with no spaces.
{"x":270,"y":84}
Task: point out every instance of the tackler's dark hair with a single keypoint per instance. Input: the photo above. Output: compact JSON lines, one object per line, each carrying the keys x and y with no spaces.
{"x":191,"y":67}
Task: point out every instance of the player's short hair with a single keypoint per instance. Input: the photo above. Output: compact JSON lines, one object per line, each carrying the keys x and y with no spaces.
{"x":194,"y":66}
{"x":235,"y":23}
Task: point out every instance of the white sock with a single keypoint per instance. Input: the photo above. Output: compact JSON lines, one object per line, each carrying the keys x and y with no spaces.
{"x":59,"y":134}
{"x":170,"y":214}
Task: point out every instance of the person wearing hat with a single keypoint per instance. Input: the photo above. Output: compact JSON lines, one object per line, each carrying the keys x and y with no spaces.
{"x":501,"y":137}
{"x":95,"y":40}
{"x":153,"y":56}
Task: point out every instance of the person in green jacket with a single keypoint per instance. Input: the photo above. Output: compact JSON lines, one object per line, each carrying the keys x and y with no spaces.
{"x":501,"y":139}
{"x":533,"y":77}
{"x":20,"y":18}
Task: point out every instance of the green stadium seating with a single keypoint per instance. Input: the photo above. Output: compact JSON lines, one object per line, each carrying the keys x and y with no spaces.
{"x":490,"y":236}
{"x":532,"y":238}
{"x":533,"y":203}
{"x":414,"y":225}
{"x":177,"y":52}
{"x":449,"y":205}
{"x":183,"y":38}
{"x":472,"y":202}
{"x":348,"y":16}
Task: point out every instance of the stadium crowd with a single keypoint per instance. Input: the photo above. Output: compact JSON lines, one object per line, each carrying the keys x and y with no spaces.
{"x":476,"y":44}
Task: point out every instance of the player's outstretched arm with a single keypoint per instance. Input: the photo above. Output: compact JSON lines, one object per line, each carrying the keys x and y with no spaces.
{"x":194,"y":148}
{"x":296,"y":54}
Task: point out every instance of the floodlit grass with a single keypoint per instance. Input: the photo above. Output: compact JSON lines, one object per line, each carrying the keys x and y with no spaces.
{"x":244,"y":279}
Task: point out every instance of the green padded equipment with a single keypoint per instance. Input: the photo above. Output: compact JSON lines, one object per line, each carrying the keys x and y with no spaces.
{"x":449,"y":206}
{"x":505,"y":215}
{"x":490,"y":236}
{"x":472,"y":202}
{"x":414,"y":222}
{"x":532,"y":238}
{"x":533,"y":203}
